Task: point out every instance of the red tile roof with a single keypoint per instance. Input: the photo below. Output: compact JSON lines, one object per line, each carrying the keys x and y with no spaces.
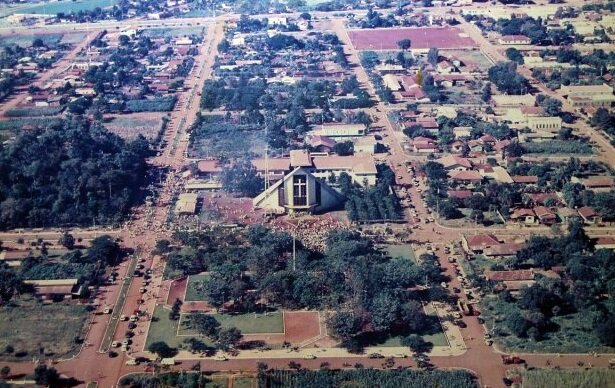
{"x":467,"y":176}
{"x":499,"y":276}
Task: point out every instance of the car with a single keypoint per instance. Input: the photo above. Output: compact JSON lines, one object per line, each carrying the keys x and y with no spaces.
{"x":489,"y":342}
{"x":132,"y":325}
{"x":115,"y":344}
{"x":457,"y":315}
{"x":487,"y":336}
{"x":400,"y":355}
{"x":400,"y":177}
{"x":126,"y":342}
{"x":480,"y":320}
{"x":220,"y":357}
{"x":309,"y":357}
{"x":375,"y":355}
{"x":456,"y":290}
{"x":444,"y":285}
{"x":460,"y":323}
{"x":133,"y":318}
{"x":125,"y":348}
{"x":123,"y":318}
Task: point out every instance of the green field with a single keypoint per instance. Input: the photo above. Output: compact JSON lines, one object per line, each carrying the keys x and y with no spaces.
{"x":18,"y":123}
{"x":248,"y":323}
{"x":560,"y":378}
{"x":29,"y":326}
{"x":437,"y":339}
{"x":52,"y":8}
{"x":163,"y":329}
{"x":404,"y":251}
{"x":192,"y":291}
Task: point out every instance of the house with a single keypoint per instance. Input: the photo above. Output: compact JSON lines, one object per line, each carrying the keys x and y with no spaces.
{"x":320,"y":143}
{"x":589,"y":95}
{"x":455,"y":163}
{"x":545,"y":215}
{"x":460,"y":194}
{"x":209,"y":169}
{"x":272,"y":169}
{"x":477,"y":243}
{"x":567,"y":214}
{"x":423,"y":145}
{"x":391,"y":82}
{"x":88,"y":92}
{"x":460,"y":132}
{"x":503,"y":251}
{"x":589,"y":215}
{"x":514,"y":40}
{"x":525,"y":179}
{"x":605,"y":243}
{"x":512,"y":280}
{"x":598,"y":183}
{"x":542,"y":198}
{"x":523,"y":216}
{"x":186,"y":203}
{"x":467,"y":176}
{"x":277,"y":21}
{"x":13,"y":258}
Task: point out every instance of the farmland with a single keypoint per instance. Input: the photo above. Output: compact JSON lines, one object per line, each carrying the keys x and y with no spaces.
{"x":367,"y":378}
{"x":29,"y":326}
{"x":422,"y":38}
{"x":52,"y":8}
{"x":545,"y":378}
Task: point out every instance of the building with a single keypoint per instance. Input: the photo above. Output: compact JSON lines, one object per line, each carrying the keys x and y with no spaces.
{"x":589,"y":95}
{"x":391,"y":82}
{"x":341,"y":132}
{"x":550,"y":123}
{"x":476,"y":244}
{"x":523,"y":216}
{"x":455,"y":163}
{"x":514,"y":40}
{"x":589,"y":215}
{"x":365,"y":145}
{"x":596,"y":183}
{"x":186,"y":203}
{"x":57,"y":288}
{"x":511,"y":101}
{"x":545,"y":215}
{"x":277,"y":21}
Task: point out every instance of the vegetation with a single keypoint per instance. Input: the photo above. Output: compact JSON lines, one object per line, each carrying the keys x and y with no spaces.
{"x":34,"y":111}
{"x":553,"y":308}
{"x":557,"y":147}
{"x":504,"y":75}
{"x":71,"y":173}
{"x":562,"y":378}
{"x":171,"y":380}
{"x":371,"y":204}
{"x":365,"y":377}
{"x":370,"y":292}
{"x":158,"y":104}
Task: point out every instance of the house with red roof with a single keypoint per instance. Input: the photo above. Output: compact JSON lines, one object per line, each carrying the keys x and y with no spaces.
{"x":523,"y":216}
{"x":476,"y":244}
{"x":545,"y":215}
{"x":589,"y":215}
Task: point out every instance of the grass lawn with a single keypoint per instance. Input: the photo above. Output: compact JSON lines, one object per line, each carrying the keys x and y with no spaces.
{"x":562,"y":378}
{"x":245,"y":382}
{"x":437,"y":339}
{"x":404,"y":251}
{"x":273,"y":322}
{"x":130,"y":127}
{"x":574,"y":334}
{"x":29,"y":326}
{"x":161,"y":328}
{"x":192,"y":291}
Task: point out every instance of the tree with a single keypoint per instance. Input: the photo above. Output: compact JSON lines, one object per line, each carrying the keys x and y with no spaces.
{"x":67,"y":240}
{"x":344,"y":148}
{"x":416,"y":343}
{"x":504,"y":75}
{"x":163,"y":246}
{"x":228,"y":338}
{"x":241,"y":178}
{"x":162,"y":349}
{"x":404,"y":44}
{"x":5,"y":372}
{"x":551,"y":106}
{"x":514,"y":55}
{"x":174,"y":314}
{"x":205,"y":325}
{"x":432,"y":56}
{"x":10,"y":283}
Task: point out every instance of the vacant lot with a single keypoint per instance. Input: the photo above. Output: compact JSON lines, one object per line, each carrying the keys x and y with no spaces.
{"x":173,"y":32}
{"x":26,"y":40}
{"x":130,"y":126}
{"x":30,"y":326}
{"x":470,"y":57}
{"x":248,"y":323}
{"x":560,"y":378}
{"x":422,"y":38}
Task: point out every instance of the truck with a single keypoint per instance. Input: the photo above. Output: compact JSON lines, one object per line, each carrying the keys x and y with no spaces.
{"x":167,"y":361}
{"x":508,"y":360}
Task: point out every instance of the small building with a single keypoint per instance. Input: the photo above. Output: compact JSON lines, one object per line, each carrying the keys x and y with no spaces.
{"x":525,"y":179}
{"x":589,"y":215}
{"x":545,"y":215}
{"x":455,"y":163}
{"x":514,"y":40}
{"x":511,"y":101}
{"x":551,"y":123}
{"x":523,"y":216}
{"x":186,"y":203}
{"x":365,"y":145}
{"x":597,"y":183}
{"x":341,"y":132}
{"x":57,"y":288}
{"x":476,"y":244}
{"x":567,"y":214}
